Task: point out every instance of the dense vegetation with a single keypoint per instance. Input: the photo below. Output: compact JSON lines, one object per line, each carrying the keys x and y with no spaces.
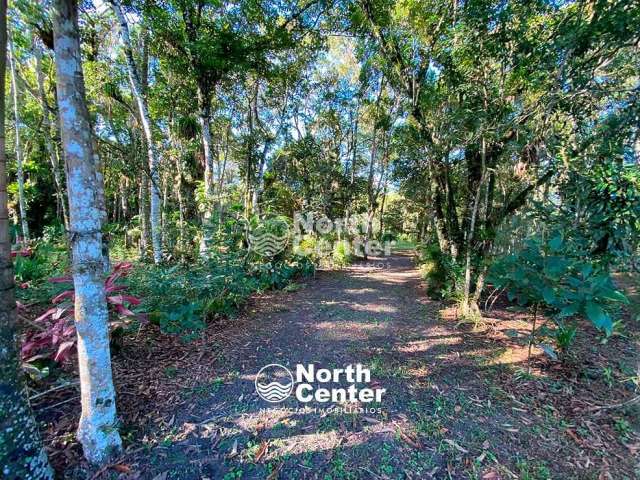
{"x":499,"y":140}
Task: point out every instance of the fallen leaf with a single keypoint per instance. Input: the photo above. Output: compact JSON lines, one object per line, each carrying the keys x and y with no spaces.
{"x":264,"y":446}
{"x":456,"y":446}
{"x":234,"y":449}
{"x":410,"y":441}
{"x":122,"y":468}
{"x":573,"y":435}
{"x":491,"y":475}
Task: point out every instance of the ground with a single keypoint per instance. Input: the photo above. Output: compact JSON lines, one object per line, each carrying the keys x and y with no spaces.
{"x":459,"y":402}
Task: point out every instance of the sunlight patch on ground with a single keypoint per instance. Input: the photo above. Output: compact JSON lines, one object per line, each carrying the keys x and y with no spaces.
{"x":358,"y":291}
{"x":341,"y":329}
{"x":373,"y":307}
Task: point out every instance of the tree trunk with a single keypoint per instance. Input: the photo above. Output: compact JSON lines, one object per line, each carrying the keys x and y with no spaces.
{"x":48,"y":137}
{"x":382,"y":202}
{"x":20,"y":172}
{"x":97,"y":431}
{"x":469,"y":306}
{"x":143,"y":110}
{"x":21,"y":452}
{"x":143,"y":215}
{"x":100,"y":199}
{"x":221,"y":176}
{"x":205,"y":125}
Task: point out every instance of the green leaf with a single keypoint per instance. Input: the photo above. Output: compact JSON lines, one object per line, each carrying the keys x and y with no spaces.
{"x":555,"y":266}
{"x":549,"y":351}
{"x":569,"y":310}
{"x":599,"y":317}
{"x":615,"y":296}
{"x":586,"y":270}
{"x":555,"y":243}
{"x":512,"y":333}
{"x":548,"y":295}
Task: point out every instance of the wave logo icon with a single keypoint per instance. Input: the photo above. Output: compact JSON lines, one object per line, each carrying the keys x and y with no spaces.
{"x":270,"y":237}
{"x":274,"y":383}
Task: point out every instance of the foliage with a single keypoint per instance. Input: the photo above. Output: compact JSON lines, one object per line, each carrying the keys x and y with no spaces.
{"x":440,"y":270}
{"x":43,"y":260}
{"x":341,"y":256}
{"x":55,"y":336}
{"x":603,"y":205}
{"x":551,"y":274}
{"x":182,"y":298}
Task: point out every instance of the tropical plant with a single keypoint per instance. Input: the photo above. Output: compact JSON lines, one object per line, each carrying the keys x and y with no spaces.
{"x":55,"y":336}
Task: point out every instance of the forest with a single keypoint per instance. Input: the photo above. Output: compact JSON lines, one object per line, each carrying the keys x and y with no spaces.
{"x":320,"y":239}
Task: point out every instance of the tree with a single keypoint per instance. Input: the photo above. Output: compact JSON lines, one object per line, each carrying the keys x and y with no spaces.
{"x":215,"y":42}
{"x":21,"y":452}
{"x":52,"y":150}
{"x":19,"y":154}
{"x":143,"y":110}
{"x":97,"y":431}
{"x":491,"y":122}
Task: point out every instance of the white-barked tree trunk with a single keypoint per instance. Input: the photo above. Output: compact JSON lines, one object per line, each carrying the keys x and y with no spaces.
{"x":19,"y":164}
{"x":97,"y":431}
{"x":143,"y":110}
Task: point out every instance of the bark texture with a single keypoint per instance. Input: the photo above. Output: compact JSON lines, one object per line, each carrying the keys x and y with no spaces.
{"x":143,"y":110}
{"x":48,"y":137}
{"x":21,"y":453}
{"x":97,"y":431}
{"x":205,"y":125}
{"x":19,"y":170}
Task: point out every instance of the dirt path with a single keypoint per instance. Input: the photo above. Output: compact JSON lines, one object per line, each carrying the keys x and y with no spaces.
{"x":444,"y":414}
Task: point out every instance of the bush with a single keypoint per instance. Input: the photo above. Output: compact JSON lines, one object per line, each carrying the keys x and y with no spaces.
{"x":342,"y":256}
{"x":56,"y":336}
{"x":44,"y":260}
{"x":554,"y":275}
{"x":440,"y":271}
{"x":181,"y":298}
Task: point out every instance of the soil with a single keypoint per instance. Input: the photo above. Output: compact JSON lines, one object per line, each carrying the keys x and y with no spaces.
{"x":459,"y":402}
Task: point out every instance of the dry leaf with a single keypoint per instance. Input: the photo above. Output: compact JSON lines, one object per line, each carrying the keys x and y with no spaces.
{"x":264,"y":446}
{"x":491,"y":475}
{"x":410,"y":441}
{"x":234,"y":449}
{"x":121,"y":468}
{"x":573,"y":435}
{"x":456,"y":446}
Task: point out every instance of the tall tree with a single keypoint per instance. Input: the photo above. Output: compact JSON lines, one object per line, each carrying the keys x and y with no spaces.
{"x":143,"y":110}
{"x":19,"y":154}
{"x":97,"y":431}
{"x":50,"y":145}
{"x":21,"y":452}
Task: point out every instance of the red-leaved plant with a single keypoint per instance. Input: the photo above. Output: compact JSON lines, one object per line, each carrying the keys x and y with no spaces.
{"x":57,"y":336}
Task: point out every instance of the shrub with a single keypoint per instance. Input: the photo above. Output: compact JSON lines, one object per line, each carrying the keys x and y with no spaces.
{"x":44,"y":260}
{"x":555,"y":276}
{"x":181,"y":298}
{"x":342,"y":254}
{"x":440,"y":271}
{"x":56,"y":334}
